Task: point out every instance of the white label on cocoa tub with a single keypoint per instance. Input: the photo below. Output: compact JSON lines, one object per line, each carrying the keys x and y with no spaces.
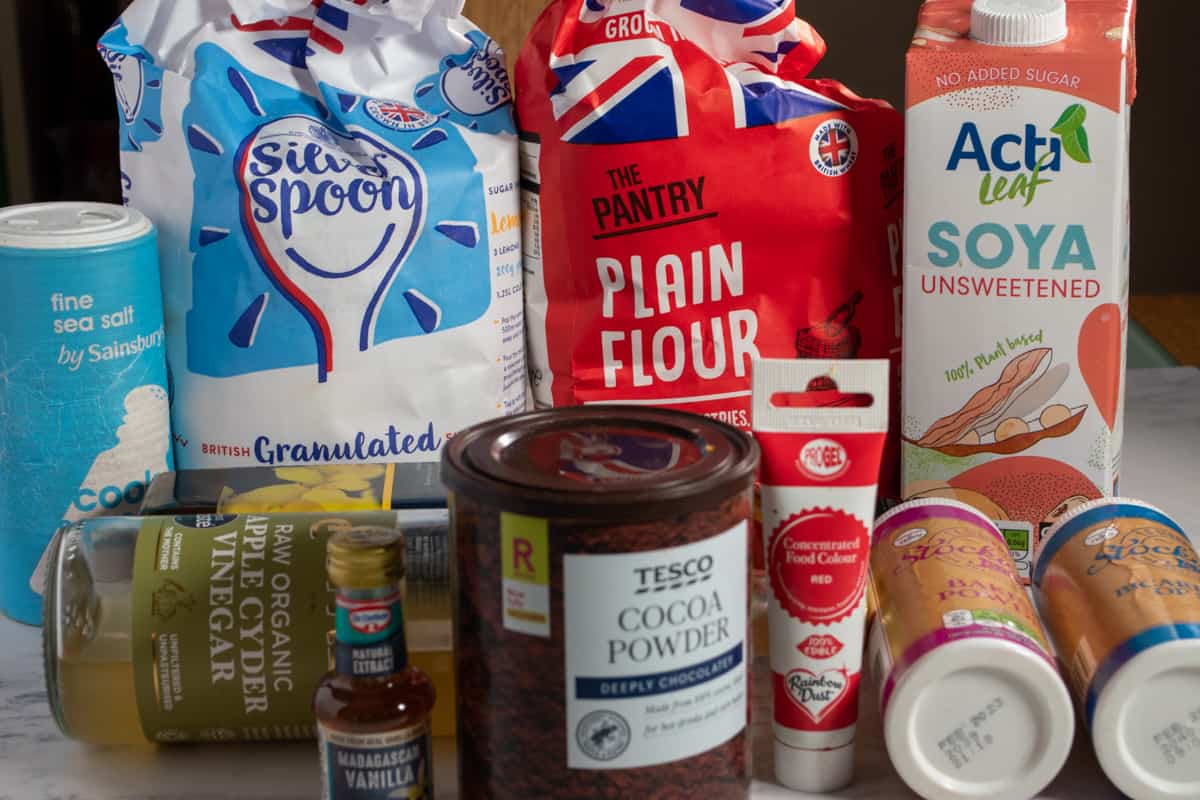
{"x":656,"y":652}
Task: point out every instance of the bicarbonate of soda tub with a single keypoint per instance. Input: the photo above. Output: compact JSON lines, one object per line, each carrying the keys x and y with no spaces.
{"x":1118,"y":583}
{"x":85,"y":422}
{"x":1017,"y":257}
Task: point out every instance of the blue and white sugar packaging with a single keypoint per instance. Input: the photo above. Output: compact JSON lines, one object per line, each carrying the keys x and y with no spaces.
{"x":335,"y":186}
{"x":84,"y":420}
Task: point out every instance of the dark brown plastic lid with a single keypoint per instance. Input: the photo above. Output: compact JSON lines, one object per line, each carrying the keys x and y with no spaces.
{"x":619,"y":463}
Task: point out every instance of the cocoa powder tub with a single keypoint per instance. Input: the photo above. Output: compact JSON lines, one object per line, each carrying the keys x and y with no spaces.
{"x":602,"y":604}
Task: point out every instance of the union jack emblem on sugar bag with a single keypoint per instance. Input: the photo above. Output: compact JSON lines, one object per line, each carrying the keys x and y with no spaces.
{"x":694,"y":201}
{"x":399,"y":116}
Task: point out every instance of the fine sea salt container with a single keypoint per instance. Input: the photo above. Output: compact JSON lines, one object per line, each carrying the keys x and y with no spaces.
{"x":85,"y":423}
{"x":1118,"y":583}
{"x":972,"y":703}
{"x":602,"y":570}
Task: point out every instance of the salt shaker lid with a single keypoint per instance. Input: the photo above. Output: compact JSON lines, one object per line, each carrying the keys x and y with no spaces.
{"x":70,"y":225}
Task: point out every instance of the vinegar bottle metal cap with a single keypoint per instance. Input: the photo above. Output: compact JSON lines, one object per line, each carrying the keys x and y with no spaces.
{"x":1019,"y":23}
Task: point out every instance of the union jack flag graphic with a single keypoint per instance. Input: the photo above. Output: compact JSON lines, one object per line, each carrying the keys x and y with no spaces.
{"x":761,"y":98}
{"x":607,"y":456}
{"x":289,"y":38}
{"x":630,"y":91}
{"x":329,"y":26}
{"x":399,"y":116}
{"x":622,"y":74}
{"x":402,"y":113}
{"x":834,"y":148}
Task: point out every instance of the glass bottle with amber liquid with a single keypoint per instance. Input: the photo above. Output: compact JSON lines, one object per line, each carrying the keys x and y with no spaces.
{"x":373,"y":711}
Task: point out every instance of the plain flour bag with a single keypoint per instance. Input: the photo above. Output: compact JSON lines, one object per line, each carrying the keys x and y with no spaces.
{"x":694,"y":201}
{"x":334,"y":187}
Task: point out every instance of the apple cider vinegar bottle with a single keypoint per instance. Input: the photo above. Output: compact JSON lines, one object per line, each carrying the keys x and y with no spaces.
{"x":373,"y":710}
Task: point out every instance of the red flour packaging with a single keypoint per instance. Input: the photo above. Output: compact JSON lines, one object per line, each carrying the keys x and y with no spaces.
{"x":693,"y":202}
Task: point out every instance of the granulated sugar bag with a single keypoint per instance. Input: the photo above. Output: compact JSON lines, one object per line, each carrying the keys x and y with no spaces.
{"x":693,"y":201}
{"x":334,"y":187}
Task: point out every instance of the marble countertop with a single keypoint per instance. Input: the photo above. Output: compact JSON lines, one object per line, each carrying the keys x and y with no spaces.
{"x":1161,"y":465}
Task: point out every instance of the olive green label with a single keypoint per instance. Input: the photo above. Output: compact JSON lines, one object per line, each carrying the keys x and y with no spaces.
{"x":232,"y":622}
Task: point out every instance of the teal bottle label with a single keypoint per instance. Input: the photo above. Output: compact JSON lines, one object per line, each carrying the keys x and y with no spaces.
{"x":370,"y":634}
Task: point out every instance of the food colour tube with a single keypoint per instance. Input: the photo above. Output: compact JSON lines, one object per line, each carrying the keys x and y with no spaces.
{"x":821,"y":426}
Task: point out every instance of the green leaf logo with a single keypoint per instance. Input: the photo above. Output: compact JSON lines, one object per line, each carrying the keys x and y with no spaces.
{"x":1076,"y":145}
{"x":1074,"y":136}
{"x":1071,"y":120}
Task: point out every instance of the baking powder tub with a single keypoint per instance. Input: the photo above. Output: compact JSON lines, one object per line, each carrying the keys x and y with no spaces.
{"x":971,"y":699}
{"x":1118,"y":583}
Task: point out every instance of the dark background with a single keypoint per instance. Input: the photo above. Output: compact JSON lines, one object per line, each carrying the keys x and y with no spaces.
{"x":59,"y":129}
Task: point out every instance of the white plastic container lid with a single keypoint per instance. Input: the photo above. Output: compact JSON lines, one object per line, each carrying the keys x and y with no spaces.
{"x":1019,"y":23}
{"x":70,"y":226}
{"x":1144,"y":722}
{"x":1000,"y":709}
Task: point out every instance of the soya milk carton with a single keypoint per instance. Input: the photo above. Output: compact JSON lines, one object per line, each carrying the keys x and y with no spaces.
{"x":1017,"y":256}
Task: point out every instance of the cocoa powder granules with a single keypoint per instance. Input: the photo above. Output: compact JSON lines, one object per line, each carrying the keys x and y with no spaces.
{"x":602,"y":605}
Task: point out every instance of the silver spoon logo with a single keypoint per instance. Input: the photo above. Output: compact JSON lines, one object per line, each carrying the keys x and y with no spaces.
{"x":480,"y":85}
{"x":331,"y":218}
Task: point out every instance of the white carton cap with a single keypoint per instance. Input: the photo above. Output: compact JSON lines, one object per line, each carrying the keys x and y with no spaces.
{"x":1145,"y":719}
{"x":979,"y":718}
{"x":816,"y":771}
{"x":68,"y":226}
{"x":1019,"y":23}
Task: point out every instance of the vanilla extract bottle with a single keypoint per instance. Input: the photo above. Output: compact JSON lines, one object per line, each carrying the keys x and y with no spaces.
{"x":373,"y":711}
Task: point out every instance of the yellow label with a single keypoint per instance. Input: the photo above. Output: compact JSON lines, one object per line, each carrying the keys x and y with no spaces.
{"x":389,"y":480}
{"x":525,"y":560}
{"x":524,"y":549}
{"x":325,"y":487}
